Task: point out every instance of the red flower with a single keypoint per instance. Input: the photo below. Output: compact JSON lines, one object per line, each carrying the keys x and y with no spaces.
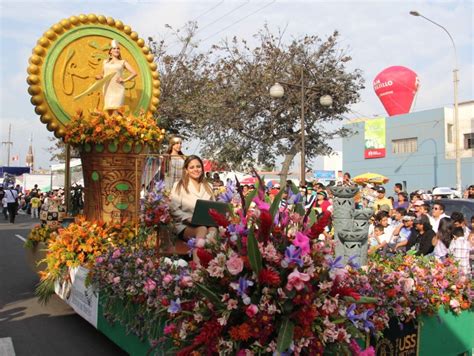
{"x":343,"y":291}
{"x":269,"y":277}
{"x":204,"y":256}
{"x":218,"y":218}
{"x":265,"y":225}
{"x":318,"y":227}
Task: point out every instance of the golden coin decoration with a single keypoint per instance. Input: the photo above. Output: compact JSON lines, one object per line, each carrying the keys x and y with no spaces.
{"x":64,"y":64}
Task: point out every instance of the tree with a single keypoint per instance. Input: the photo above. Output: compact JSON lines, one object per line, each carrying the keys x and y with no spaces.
{"x":184,"y":75}
{"x":251,"y":123}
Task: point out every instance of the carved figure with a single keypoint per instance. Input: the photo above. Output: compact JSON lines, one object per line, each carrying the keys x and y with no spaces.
{"x":351,"y":226}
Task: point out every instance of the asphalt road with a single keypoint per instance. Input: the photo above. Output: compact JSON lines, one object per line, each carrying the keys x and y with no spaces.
{"x":28,"y":328}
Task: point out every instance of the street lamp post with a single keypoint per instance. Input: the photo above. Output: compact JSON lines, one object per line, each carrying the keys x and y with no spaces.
{"x":456,"y":114}
{"x":277,"y":91}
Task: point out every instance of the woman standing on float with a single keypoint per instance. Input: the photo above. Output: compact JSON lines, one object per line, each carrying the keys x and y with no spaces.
{"x":114,"y":89}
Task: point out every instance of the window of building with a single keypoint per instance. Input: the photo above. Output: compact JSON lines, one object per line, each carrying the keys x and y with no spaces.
{"x":449,"y":132}
{"x":469,"y":141}
{"x":405,"y":145}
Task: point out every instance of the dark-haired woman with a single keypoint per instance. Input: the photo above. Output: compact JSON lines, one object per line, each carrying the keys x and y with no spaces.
{"x":184,"y":194}
{"x":443,"y":238}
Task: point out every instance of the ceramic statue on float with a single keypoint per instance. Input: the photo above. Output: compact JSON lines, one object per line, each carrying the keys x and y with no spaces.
{"x":351,"y":226}
{"x":67,"y":72}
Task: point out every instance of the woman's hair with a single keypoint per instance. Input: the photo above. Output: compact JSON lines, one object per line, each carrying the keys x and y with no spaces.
{"x":402,"y":194}
{"x":445,"y":231}
{"x":110,"y":53}
{"x":184,"y":181}
{"x":173,"y":141}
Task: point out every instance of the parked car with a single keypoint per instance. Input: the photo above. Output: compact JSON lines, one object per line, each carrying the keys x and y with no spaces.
{"x":464,"y":206}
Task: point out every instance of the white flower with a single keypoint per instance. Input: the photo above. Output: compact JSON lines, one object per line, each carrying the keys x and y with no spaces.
{"x":167,"y":261}
{"x":181,"y":263}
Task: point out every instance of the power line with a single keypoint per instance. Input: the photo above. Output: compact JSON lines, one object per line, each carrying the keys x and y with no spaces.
{"x":225,"y":15}
{"x":239,"y":20}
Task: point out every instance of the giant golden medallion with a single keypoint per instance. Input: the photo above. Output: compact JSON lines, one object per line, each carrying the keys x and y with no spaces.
{"x":64,"y":65}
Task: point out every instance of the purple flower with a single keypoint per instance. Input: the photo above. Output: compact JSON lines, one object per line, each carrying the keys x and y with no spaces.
{"x":334,"y":263}
{"x":242,"y":286}
{"x":191,"y":245}
{"x":292,"y":255}
{"x":175,"y":306}
{"x":352,"y":262}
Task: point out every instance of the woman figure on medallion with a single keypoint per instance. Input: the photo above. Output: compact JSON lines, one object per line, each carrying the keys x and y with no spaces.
{"x":114,"y":89}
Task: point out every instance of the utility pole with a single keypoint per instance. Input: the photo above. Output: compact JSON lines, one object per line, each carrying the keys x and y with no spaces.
{"x":9,"y":143}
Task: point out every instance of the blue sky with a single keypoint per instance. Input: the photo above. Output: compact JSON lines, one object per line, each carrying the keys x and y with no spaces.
{"x":377,"y":34}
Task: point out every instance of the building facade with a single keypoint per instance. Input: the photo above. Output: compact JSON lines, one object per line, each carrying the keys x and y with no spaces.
{"x":415,"y":149}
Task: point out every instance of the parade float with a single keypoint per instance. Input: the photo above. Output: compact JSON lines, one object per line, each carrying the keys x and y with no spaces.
{"x":265,"y":284}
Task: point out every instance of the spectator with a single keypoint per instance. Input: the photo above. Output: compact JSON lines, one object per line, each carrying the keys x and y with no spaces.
{"x":422,"y":241}
{"x":458,"y":220}
{"x":322,"y":203}
{"x":346,"y":179}
{"x":469,"y":193}
{"x":443,"y":238}
{"x":376,"y":240}
{"x":216,"y":181}
{"x":437,"y":213}
{"x":402,"y":201}
{"x":35,"y":205}
{"x":12,"y":203}
{"x":382,"y":219}
{"x":381,"y":199}
{"x":402,"y":233}
{"x":5,"y":207}
{"x":460,"y":249}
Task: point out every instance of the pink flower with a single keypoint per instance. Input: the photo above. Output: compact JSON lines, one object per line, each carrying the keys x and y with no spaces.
{"x":116,"y":280}
{"x":186,"y":281}
{"x":407,"y":284}
{"x":169,"y":329}
{"x":235,"y":265}
{"x":251,"y":310}
{"x":167,"y":279}
{"x":149,"y":285}
{"x":302,"y":241}
{"x":116,"y":253}
{"x":296,"y":280}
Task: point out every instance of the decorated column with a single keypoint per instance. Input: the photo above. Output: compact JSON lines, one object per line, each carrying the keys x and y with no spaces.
{"x":351,"y":226}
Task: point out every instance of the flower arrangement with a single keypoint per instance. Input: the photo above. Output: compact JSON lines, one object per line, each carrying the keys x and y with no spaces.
{"x":261,"y":285}
{"x":38,"y":234}
{"x":78,"y":245}
{"x":408,"y":286}
{"x":155,"y":205}
{"x":100,"y":127}
{"x":265,"y":284}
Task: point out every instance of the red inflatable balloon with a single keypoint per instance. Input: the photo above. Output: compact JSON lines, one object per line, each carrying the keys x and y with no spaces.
{"x":396,"y":88}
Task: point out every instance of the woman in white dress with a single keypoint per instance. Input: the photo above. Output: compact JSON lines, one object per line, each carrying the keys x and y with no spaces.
{"x":114,"y":90}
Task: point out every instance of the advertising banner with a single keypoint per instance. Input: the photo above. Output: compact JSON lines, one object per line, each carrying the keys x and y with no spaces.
{"x":84,"y":300}
{"x":324,"y":174}
{"x":374,"y":138}
{"x":399,"y":339}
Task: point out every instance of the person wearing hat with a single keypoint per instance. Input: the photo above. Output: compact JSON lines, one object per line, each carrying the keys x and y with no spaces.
{"x":402,"y":233}
{"x":422,"y":240}
{"x":381,"y":199}
{"x":114,"y":89}
{"x":322,"y":203}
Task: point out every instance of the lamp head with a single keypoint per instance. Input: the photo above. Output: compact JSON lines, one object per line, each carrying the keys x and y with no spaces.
{"x":325,"y":100}
{"x":415,"y":13}
{"x":277,"y":91}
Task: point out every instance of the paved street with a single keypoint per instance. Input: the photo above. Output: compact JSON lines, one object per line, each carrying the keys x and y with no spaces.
{"x":31,"y":328}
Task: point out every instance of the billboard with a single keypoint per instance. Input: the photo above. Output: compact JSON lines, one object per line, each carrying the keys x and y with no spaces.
{"x":374,"y":137}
